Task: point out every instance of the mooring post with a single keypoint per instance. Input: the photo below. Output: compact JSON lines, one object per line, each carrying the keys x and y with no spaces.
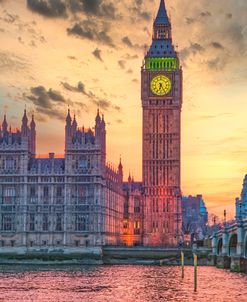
{"x":195,"y":272}
{"x":182,"y":263}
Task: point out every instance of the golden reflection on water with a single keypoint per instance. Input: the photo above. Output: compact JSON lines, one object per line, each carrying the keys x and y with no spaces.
{"x":120,"y":284}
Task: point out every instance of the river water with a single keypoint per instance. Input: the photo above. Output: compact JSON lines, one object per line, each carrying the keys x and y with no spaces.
{"x":120,"y":284}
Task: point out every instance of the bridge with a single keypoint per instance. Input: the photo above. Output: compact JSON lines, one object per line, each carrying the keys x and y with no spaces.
{"x":230,"y":246}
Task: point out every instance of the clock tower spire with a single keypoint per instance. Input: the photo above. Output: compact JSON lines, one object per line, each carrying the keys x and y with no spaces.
{"x":161,"y":94}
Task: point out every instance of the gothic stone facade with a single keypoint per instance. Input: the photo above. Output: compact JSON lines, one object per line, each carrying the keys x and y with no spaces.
{"x":72,"y":201}
{"x":78,"y":200}
{"x":133,"y":213}
{"x":161,"y":93}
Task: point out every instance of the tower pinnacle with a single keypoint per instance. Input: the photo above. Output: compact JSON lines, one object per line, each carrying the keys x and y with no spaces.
{"x":162,"y":18}
{"x":5,"y":124}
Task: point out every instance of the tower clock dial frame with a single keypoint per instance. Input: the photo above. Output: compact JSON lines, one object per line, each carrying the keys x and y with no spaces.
{"x":160,"y":85}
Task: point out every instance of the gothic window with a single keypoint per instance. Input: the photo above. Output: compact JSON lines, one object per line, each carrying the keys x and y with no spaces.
{"x":59,"y":222}
{"x":32,"y":222}
{"x":32,"y":192}
{"x":45,"y":225}
{"x":46,"y":191}
{"x":7,"y":222}
{"x":10,"y":164}
{"x":157,"y":206}
{"x":137,"y":205}
{"x":125,"y":224}
{"x":8,"y":195}
{"x":9,"y":192}
{"x":136,"y":227}
{"x":59,"y":191}
{"x":81,"y":223}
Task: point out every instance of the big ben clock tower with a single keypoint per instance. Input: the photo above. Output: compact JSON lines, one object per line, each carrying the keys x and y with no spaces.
{"x":161,"y":93}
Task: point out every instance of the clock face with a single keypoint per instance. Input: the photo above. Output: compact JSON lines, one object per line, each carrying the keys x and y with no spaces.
{"x":161,"y":85}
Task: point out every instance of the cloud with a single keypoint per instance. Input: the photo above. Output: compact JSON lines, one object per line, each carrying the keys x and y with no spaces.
{"x":122,"y":63}
{"x":217,"y":45}
{"x":92,"y":30}
{"x":10,"y":18}
{"x":217,"y":63}
{"x":193,"y":49}
{"x":63,"y":8}
{"x":126,"y":40}
{"x":80,"y":87}
{"x":97,"y":8}
{"x":100,"y":102}
{"x":138,"y":12}
{"x":72,"y":58}
{"x":48,"y":8}
{"x":47,"y":102}
{"x":10,"y":62}
{"x":127,"y":56}
{"x":97,"y":54}
{"x":198,"y":17}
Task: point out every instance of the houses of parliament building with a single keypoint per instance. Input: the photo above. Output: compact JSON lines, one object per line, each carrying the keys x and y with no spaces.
{"x":80,"y":200}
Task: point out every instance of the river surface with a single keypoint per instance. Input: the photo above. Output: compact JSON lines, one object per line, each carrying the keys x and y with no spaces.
{"x":120,"y":284}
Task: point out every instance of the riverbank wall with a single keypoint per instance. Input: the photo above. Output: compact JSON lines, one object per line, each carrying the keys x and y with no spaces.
{"x":234,"y":263}
{"x":105,"y":255}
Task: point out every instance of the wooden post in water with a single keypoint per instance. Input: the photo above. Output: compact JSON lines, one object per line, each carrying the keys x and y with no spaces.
{"x":182,"y":263}
{"x":195,"y":272}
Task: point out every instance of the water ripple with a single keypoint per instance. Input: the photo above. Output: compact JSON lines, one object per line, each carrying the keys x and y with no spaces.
{"x":120,"y":284}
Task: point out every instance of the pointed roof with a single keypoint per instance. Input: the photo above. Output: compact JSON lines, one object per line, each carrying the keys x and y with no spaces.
{"x":120,"y":166}
{"x":32,"y":124}
{"x":74,"y":121}
{"x":103,"y":120}
{"x":98,"y":119}
{"x":5,"y":124}
{"x":68,"y":118}
{"x":24,"y":119}
{"x":162,"y":18}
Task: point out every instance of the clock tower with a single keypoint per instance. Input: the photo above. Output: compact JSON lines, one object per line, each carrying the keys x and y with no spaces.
{"x":161,"y":94}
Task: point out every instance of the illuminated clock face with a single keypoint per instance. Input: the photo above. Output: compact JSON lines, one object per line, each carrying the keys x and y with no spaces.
{"x":161,"y":85}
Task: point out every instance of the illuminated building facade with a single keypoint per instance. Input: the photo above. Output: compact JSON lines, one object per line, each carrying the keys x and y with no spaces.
{"x":161,"y":94}
{"x":195,"y":217}
{"x":79,"y":200}
{"x":59,"y":202}
{"x":133,"y":213}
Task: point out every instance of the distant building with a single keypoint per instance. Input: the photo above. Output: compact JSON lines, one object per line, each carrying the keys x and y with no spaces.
{"x":195,"y":217}
{"x":72,"y":201}
{"x":241,"y":203}
{"x":133,"y":213}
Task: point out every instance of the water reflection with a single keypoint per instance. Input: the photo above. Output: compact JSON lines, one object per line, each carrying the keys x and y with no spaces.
{"x":120,"y":284}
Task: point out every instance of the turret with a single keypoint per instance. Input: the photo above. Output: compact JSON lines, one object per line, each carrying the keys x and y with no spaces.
{"x":161,"y":55}
{"x":68,"y":130}
{"x":162,"y":25}
{"x":103,"y":137}
{"x":74,"y":126}
{"x":4,"y":124}
{"x":98,"y":128}
{"x":33,"y":137}
{"x":24,"y":126}
{"x":120,"y":170}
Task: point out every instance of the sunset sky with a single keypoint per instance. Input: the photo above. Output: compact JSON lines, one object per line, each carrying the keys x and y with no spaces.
{"x":88,"y":54}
